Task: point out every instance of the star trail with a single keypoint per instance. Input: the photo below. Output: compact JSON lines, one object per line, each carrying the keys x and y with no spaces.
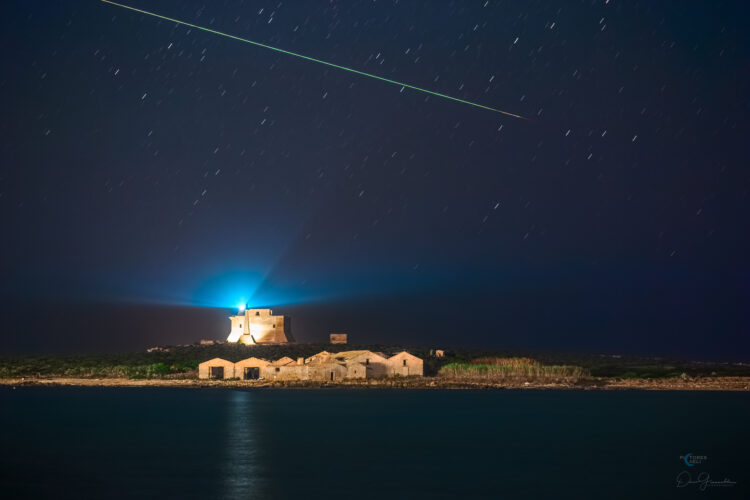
{"x":312,"y":59}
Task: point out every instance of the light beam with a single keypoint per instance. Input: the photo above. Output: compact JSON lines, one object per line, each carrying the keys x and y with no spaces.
{"x":362,"y":73}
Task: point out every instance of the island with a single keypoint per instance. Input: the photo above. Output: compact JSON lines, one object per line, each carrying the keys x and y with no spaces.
{"x":249,"y":366}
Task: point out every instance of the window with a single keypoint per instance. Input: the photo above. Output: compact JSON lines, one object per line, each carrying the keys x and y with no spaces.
{"x":367,"y":361}
{"x":404,"y":362}
{"x":277,"y":368}
{"x":274,"y":326}
{"x":240,"y":325}
{"x":257,"y":313}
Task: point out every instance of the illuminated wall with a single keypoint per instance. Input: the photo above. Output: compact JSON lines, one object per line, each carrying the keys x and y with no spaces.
{"x":259,"y":326}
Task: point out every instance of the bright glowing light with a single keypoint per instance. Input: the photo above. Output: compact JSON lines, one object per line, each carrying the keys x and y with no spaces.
{"x":241,"y":306}
{"x":362,"y":73}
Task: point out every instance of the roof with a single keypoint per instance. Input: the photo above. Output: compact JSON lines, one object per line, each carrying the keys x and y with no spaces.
{"x":351,"y":355}
{"x":316,"y":358}
{"x":404,"y":354}
{"x":217,"y":360}
{"x":253,"y":359}
{"x":283,"y":361}
{"x":342,"y":357}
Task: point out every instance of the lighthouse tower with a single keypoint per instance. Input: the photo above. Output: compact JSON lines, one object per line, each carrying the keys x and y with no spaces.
{"x":259,"y":326}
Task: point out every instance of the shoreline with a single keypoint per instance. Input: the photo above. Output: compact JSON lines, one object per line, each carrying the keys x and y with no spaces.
{"x":672,"y":384}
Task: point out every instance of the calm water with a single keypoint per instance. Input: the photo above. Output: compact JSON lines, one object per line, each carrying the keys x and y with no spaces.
{"x":276,"y":444}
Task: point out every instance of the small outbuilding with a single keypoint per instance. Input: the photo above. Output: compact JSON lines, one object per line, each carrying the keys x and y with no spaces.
{"x":338,"y":338}
{"x":375,"y":363}
{"x":405,"y":364}
{"x":216,"y":369}
{"x":250,"y":368}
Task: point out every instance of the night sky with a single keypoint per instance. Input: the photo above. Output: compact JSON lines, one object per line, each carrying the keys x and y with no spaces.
{"x":153,"y":176}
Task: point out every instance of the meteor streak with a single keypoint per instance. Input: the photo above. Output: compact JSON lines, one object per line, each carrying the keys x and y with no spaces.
{"x":362,"y":73}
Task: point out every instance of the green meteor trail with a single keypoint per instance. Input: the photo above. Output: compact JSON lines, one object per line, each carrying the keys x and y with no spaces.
{"x":400,"y":84}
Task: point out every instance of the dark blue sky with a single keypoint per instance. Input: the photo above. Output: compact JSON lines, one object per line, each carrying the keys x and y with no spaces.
{"x":149,"y":164}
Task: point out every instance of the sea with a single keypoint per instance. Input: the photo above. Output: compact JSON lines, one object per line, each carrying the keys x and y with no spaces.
{"x":185,"y":443}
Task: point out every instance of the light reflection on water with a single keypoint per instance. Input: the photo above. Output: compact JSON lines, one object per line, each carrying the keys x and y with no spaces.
{"x":242,"y":449}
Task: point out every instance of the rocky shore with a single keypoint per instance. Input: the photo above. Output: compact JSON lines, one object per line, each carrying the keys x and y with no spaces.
{"x":660,"y":384}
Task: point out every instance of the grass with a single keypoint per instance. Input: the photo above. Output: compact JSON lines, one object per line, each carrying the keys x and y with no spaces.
{"x":519,"y":362}
{"x":502,"y":369}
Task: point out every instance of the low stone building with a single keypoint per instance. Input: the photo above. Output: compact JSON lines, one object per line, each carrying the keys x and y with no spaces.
{"x":217,"y":369}
{"x":249,"y":369}
{"x":322,"y":367}
{"x":404,"y":364}
{"x":338,"y":338}
{"x":327,"y":367}
{"x":375,"y":364}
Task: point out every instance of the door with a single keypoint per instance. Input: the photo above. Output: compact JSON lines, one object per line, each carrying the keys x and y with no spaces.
{"x":217,"y":372}
{"x":331,"y":376}
{"x":252,"y":373}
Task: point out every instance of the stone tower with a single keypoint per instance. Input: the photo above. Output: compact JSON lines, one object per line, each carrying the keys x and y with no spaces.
{"x":260,"y":326}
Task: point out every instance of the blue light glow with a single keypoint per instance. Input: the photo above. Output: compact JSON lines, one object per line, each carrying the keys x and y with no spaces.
{"x":229,"y":290}
{"x":239,"y":290}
